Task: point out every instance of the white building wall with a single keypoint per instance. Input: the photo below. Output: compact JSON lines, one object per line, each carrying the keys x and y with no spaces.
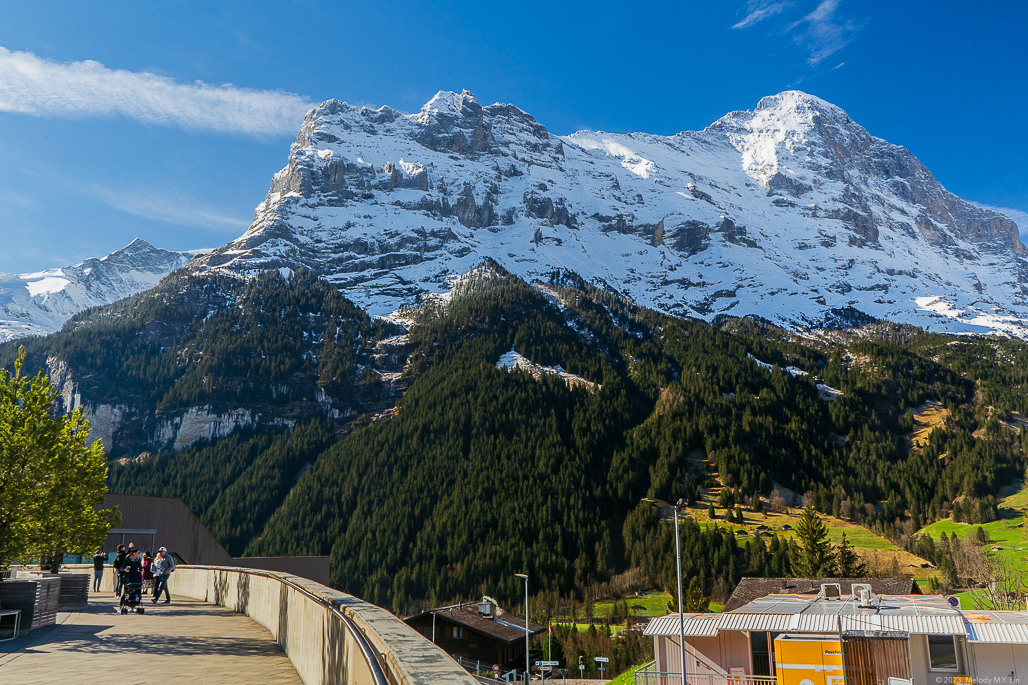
{"x":735,"y":651}
{"x":1020,"y":661}
{"x":702,"y":654}
{"x":992,"y":664}
{"x":918,"y":645}
{"x":998,"y":664}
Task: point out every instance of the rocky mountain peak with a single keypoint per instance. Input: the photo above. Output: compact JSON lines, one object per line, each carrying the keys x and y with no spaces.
{"x":41,"y":302}
{"x":800,"y":102}
{"x":789,"y":210}
{"x":448,"y":102}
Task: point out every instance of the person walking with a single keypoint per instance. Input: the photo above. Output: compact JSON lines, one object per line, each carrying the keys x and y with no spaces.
{"x":147,"y":571}
{"x":163,"y":567}
{"x":99,"y":559}
{"x":132,"y":569}
{"x":118,"y":561}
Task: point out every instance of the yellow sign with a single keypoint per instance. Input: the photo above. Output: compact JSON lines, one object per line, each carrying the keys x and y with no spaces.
{"x":808,"y":660}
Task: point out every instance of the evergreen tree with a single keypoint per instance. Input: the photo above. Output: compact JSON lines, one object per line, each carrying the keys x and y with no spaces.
{"x":694,"y":601}
{"x":50,"y":481}
{"x":850,"y":565}
{"x":815,"y":558}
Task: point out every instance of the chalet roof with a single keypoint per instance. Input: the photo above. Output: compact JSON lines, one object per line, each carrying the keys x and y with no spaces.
{"x":750,"y":589}
{"x":504,"y":626}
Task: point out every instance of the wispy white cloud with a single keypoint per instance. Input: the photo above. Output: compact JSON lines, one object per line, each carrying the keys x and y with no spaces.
{"x":758,"y":10}
{"x":822,"y":33}
{"x":40,"y":87}
{"x":160,"y":206}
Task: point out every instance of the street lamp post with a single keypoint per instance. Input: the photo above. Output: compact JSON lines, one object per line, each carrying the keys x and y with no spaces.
{"x":678,"y":557}
{"x":527,"y":667}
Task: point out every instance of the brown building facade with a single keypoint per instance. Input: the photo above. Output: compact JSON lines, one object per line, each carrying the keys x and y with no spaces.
{"x":477,"y":631}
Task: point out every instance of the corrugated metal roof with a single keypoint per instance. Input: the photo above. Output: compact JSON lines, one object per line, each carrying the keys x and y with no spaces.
{"x":818,"y":623}
{"x":696,"y":625}
{"x":1006,"y":633}
{"x":1008,"y":627}
{"x":920,"y":625}
{"x":919,"y":615}
{"x":773,"y":622}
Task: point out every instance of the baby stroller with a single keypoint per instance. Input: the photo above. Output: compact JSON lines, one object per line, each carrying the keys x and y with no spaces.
{"x":131,"y":597}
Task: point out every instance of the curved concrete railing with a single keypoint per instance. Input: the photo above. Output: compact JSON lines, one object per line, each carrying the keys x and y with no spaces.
{"x":330,"y":637}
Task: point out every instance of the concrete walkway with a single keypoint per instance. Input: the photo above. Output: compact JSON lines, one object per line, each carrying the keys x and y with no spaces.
{"x":183,"y":642}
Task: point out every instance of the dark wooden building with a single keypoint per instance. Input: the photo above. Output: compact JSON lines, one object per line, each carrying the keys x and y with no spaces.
{"x":750,"y":589}
{"x":477,"y":631}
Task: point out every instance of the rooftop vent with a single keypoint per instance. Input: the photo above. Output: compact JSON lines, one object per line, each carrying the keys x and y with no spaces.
{"x":862,"y":594}
{"x":485,"y":607}
{"x":831,"y":591}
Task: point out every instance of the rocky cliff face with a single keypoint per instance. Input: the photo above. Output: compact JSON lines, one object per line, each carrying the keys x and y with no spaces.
{"x":39,"y":303}
{"x":787,"y":211}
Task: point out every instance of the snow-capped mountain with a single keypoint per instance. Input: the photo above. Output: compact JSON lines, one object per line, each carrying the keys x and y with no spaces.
{"x":39,"y":303}
{"x":788,"y":211}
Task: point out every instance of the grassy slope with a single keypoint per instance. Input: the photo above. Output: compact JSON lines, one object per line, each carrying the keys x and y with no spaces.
{"x":926,"y":418}
{"x":628,"y":677}
{"x":1007,"y":533}
{"x":870,"y":547}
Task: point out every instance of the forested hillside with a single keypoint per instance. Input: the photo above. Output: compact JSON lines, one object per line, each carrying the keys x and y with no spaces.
{"x":233,"y":484}
{"x":288,"y":349}
{"x":482,"y":472}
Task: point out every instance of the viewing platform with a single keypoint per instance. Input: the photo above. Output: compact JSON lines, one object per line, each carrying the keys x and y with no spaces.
{"x":190,"y":640}
{"x":230,"y":625}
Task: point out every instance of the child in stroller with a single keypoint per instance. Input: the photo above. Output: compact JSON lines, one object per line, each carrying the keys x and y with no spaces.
{"x":132,"y":584}
{"x":131,"y":597}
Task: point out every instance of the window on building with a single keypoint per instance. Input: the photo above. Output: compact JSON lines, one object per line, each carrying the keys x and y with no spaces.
{"x":428,"y":632}
{"x":761,"y":653}
{"x":942,"y":652}
{"x":457,"y":632}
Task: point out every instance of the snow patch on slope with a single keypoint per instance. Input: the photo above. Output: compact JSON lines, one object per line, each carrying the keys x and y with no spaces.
{"x":824,"y":392}
{"x":513,"y":361}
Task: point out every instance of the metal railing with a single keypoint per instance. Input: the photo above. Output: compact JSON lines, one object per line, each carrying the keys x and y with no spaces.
{"x":483,"y":669}
{"x":648,"y":675}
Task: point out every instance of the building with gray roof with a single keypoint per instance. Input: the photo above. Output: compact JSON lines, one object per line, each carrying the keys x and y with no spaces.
{"x":842,"y":638}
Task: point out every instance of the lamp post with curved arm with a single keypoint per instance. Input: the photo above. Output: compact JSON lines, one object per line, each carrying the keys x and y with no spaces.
{"x":678,"y":556}
{"x":527,"y":671}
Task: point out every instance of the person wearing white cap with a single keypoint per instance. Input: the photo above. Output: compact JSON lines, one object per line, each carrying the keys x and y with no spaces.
{"x":163,"y":566}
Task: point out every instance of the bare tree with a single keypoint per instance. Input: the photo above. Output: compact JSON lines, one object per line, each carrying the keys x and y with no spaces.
{"x":993,"y":582}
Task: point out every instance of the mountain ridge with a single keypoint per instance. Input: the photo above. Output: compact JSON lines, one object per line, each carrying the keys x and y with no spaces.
{"x":788,"y":211}
{"x":39,"y":303}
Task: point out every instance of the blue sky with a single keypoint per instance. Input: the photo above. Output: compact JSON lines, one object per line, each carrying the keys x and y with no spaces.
{"x":106,"y":134}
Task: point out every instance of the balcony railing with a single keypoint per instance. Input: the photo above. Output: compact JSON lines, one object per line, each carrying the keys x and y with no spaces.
{"x":648,"y":675}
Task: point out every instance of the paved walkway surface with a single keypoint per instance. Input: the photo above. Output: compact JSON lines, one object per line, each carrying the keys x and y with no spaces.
{"x":186,"y":641}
